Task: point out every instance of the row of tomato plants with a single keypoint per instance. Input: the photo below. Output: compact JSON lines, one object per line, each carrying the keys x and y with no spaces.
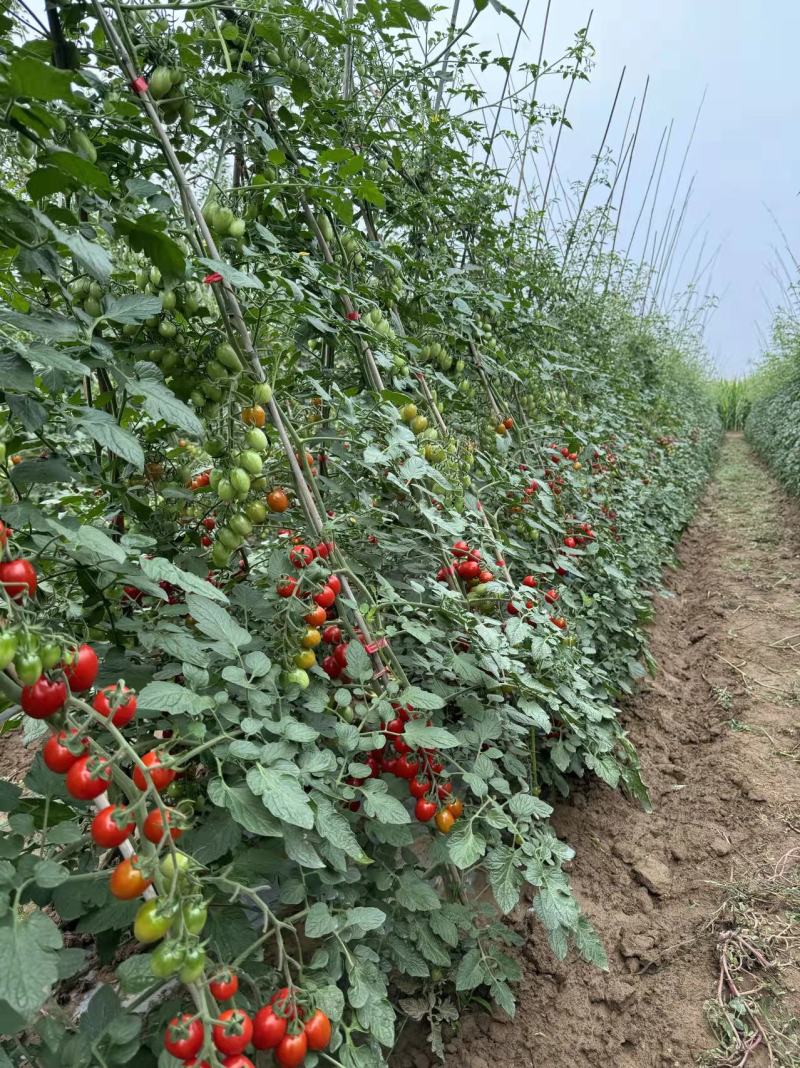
{"x":463,"y":504}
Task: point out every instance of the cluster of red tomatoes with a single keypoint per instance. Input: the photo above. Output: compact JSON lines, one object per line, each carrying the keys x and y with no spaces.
{"x":468,"y":567}
{"x":324,"y":598}
{"x":421,"y":768}
{"x":285,"y":1025}
{"x":578,"y":536}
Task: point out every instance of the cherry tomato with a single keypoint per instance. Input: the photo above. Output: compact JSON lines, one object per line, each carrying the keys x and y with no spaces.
{"x":88,"y":777}
{"x":284,"y":1004}
{"x":316,"y":617}
{"x":167,"y":958}
{"x":419,"y":786}
{"x":195,"y":914}
{"x":529,"y":581}
{"x":445,"y":790}
{"x":108,"y":830}
{"x":445,"y":821}
{"x":424,"y":810}
{"x":318,"y":1030}
{"x":28,"y":667}
{"x":56,"y":755}
{"x":184,"y":1036}
{"x":237,"y":1060}
{"x":335,"y":584}
{"x":194,"y":1063}
{"x":255,"y":416}
{"x":19,"y":578}
{"x":224,"y":986}
{"x":81,"y":667}
{"x":460,"y":548}
{"x":291,"y":1050}
{"x":125,"y":708}
{"x":407,"y":767}
{"x":152,"y":921}
{"x":154,"y":827}
{"x":469,"y":569}
{"x":311,"y":639}
{"x":161,"y":776}
{"x":8,"y":648}
{"x":331,"y":635}
{"x":286,"y":587}
{"x":50,"y":655}
{"x":44,"y":698}
{"x":331,"y":667}
{"x":194,"y":964}
{"x":277,"y":501}
{"x":127,"y":882}
{"x":325,"y":597}
{"x":301,"y":555}
{"x":455,"y":808}
{"x":234,"y":1031}
{"x":305,"y":659}
{"x":268,"y":1028}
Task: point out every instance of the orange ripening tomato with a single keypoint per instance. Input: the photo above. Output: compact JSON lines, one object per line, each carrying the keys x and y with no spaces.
{"x":254,"y":416}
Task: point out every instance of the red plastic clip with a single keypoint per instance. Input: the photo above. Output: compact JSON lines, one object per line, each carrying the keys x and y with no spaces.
{"x":373,"y":647}
{"x":383,"y":671}
{"x":215,"y":276}
{"x":139,"y":85}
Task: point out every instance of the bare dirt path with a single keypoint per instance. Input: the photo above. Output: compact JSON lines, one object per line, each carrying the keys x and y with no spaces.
{"x":701,"y":897}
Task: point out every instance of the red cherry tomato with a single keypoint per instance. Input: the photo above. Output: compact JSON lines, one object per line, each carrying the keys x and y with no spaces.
{"x":18,"y":577}
{"x":460,"y":548}
{"x":56,"y":755}
{"x":469,"y":569}
{"x":234,"y":1031}
{"x":331,"y":635}
{"x":224,"y":986}
{"x":44,"y":698}
{"x":108,"y":831}
{"x":127,"y":882}
{"x":331,"y":667}
{"x":318,"y":1030}
{"x":419,"y":786}
{"x":407,"y":767}
{"x":154,"y":827}
{"x":160,"y":775}
{"x":445,"y":790}
{"x":126,"y":707}
{"x":286,"y":587}
{"x":425,"y":810}
{"x":316,"y":617}
{"x":268,"y":1028}
{"x":284,"y":1004}
{"x":325,"y":597}
{"x":184,"y":1036}
{"x":88,"y":777}
{"x":237,"y":1060}
{"x":335,"y":584}
{"x":529,"y":581}
{"x":301,"y":555}
{"x":340,"y":655}
{"x":292,"y":1050}
{"x":81,"y":668}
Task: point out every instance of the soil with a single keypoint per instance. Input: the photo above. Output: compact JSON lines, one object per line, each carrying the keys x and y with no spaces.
{"x":718,"y":735}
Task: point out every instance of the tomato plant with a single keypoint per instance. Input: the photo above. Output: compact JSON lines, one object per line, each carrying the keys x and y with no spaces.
{"x":333,"y":500}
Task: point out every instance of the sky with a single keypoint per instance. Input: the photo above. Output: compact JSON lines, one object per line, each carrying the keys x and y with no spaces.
{"x":746,"y":150}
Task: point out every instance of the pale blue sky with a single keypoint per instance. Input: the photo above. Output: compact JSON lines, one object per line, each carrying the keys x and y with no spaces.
{"x":746,"y":151}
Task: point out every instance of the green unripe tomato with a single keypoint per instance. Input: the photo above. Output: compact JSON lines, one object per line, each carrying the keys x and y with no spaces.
{"x":173,"y":862}
{"x":419,"y":423}
{"x":166,"y":328}
{"x":215,"y":446}
{"x":240,"y":482}
{"x":28,"y":667}
{"x":225,"y":354}
{"x":166,"y":959}
{"x":262,"y":393}
{"x":251,"y":462}
{"x":256,"y":512}
{"x":50,"y":654}
{"x":153,"y":920}
{"x":237,"y":228}
{"x":81,"y":145}
{"x":408,"y":412}
{"x":223,"y":219}
{"x":92,"y":307}
{"x":2,"y":452}
{"x":168,"y":300}
{"x":229,"y":538}
{"x":197,"y":398}
{"x":297,"y":677}
{"x":194,"y":964}
{"x":258,"y":485}
{"x":220,"y":556}
{"x":195,"y":914}
{"x":213,"y":391}
{"x":216,"y":371}
{"x":240,"y":524}
{"x":225,"y":490}
{"x":160,"y":82}
{"x":256,"y":439}
{"x":8,"y":647}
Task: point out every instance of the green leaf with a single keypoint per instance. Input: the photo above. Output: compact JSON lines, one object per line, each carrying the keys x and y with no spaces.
{"x":134,"y":974}
{"x":159,"y":569}
{"x":419,"y":736}
{"x":49,"y":873}
{"x":528,"y":805}
{"x":214,"y":621}
{"x":415,"y":894}
{"x":334,"y":828}
{"x":421,"y":699}
{"x":232,"y":275}
{"x":282,"y":794}
{"x":28,"y":963}
{"x":104,"y":429}
{"x":15,"y":373}
{"x":367,"y":190}
{"x":245,"y":808}
{"x":55,"y":360}
{"x":504,"y":878}
{"x":29,"y":77}
{"x":93,"y":258}
{"x":172,"y":699}
{"x":359,"y":665}
{"x":465,"y":846}
{"x":368,"y":919}
{"x":85,"y":173}
{"x":161,"y":403}
{"x":319,"y":921}
{"x":131,"y":308}
{"x":589,"y":945}
{"x":43,"y":324}
{"x":381,"y":806}
{"x":10,"y":795}
{"x":470,"y":971}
